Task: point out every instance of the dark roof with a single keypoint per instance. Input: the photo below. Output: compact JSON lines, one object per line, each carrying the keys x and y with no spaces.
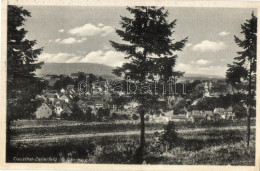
{"x":230,"y":109}
{"x":198,"y":116}
{"x":178,"y":117}
{"x":208,"y":112}
{"x":48,"y":105}
{"x":195,"y":112}
{"x":63,"y":96}
{"x":49,"y":95}
{"x":51,"y":91}
{"x":66,"y":109}
{"x":219,"y":110}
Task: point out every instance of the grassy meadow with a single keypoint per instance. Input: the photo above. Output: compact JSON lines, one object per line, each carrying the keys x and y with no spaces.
{"x":207,"y":147}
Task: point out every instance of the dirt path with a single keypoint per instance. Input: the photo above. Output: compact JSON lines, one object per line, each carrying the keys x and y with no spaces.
{"x":62,"y":137}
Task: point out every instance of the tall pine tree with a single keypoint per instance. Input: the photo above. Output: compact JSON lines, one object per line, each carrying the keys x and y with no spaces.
{"x":244,"y":66}
{"x":149,"y":49}
{"x":22,"y":84}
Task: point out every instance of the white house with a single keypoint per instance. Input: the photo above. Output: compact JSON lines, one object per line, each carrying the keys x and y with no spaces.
{"x":131,"y":105}
{"x":230,"y":113}
{"x":221,"y":112}
{"x":58,"y":110}
{"x":44,"y":111}
{"x":62,"y":90}
{"x":65,"y":98}
{"x":208,"y":114}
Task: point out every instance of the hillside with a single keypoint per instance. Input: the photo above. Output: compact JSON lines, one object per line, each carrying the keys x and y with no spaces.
{"x":68,"y":68}
{"x":103,"y":70}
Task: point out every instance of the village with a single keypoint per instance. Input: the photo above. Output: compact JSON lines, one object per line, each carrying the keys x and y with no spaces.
{"x":70,"y":103}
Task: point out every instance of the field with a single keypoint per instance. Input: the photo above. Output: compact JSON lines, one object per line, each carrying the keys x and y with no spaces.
{"x":204,"y":143}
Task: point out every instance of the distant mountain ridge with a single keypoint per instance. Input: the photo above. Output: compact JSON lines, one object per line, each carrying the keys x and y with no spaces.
{"x":99,"y":69}
{"x":68,"y":68}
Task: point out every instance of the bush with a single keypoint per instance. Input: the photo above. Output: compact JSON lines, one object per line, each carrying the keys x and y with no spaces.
{"x":170,"y":135}
{"x":135,"y":117}
{"x":240,"y":111}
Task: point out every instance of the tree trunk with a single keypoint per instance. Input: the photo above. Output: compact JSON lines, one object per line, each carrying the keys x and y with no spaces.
{"x":142,"y":138}
{"x":249,"y":105}
{"x":8,"y":144}
{"x":248,"y":128}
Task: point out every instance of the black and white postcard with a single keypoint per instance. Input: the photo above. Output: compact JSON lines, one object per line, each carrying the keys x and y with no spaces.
{"x":129,"y":85}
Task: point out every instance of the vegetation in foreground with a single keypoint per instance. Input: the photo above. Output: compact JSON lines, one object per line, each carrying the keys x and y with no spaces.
{"x":210,"y":147}
{"x":42,"y":128}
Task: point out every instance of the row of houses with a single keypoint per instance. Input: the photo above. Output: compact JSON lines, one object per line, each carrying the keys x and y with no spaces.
{"x":194,"y":115}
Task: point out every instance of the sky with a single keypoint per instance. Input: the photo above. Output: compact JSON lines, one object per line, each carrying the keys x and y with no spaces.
{"x":82,"y":34}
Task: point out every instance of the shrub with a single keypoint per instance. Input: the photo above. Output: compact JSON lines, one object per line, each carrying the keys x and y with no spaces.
{"x":170,"y":135}
{"x":135,"y":117}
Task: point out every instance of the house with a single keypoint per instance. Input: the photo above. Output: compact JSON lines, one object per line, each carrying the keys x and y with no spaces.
{"x":160,"y":118}
{"x":99,"y":104}
{"x":50,"y":91}
{"x":131,"y":105}
{"x":220,"y":111}
{"x":66,"y":111}
{"x":62,"y":90}
{"x":40,"y":98}
{"x":195,"y":112}
{"x":208,"y":114}
{"x":188,"y":114}
{"x":50,"y":96}
{"x":169,"y":114}
{"x":91,"y":104}
{"x":230,"y":114}
{"x":65,"y":98}
{"x":58,"y":110}
{"x":179,"y":118}
{"x":44,"y":111}
{"x":196,"y":118}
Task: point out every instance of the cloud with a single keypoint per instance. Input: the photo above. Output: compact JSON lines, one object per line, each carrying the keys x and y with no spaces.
{"x":107,"y":47}
{"x":57,"y":40}
{"x":61,"y":30}
{"x":70,"y":40}
{"x":188,"y":44}
{"x":81,"y":40}
{"x":111,"y":58}
{"x":204,"y":70}
{"x":182,"y":67}
{"x":202,"y":62}
{"x":100,"y":25}
{"x":223,"y":33}
{"x":59,"y":57}
{"x":207,"y":45}
{"x":92,"y":30}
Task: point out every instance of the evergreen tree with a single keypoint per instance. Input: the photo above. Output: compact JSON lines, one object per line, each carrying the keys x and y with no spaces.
{"x":170,"y":135}
{"x":149,"y":49}
{"x":22,"y":84}
{"x":244,"y":66}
